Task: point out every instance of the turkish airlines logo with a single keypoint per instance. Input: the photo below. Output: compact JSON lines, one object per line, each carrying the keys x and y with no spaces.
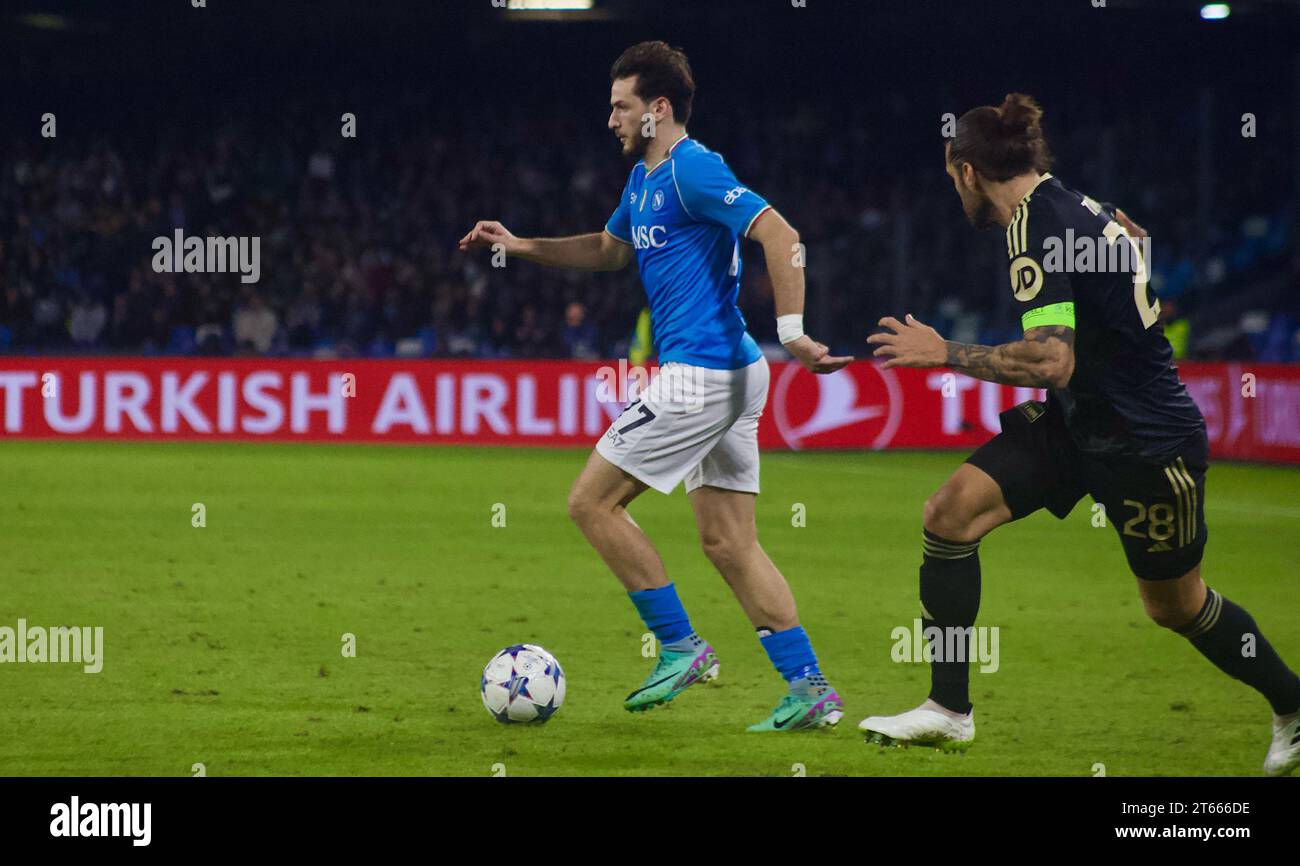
{"x":858,"y":406}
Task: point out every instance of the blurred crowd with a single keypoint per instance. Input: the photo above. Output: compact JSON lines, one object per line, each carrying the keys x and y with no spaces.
{"x":358,"y":235}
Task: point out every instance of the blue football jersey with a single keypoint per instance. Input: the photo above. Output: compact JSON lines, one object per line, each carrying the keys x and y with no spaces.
{"x":684,"y":218}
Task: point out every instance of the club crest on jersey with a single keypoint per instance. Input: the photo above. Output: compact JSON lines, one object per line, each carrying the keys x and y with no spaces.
{"x":1026,"y":278}
{"x":657,"y":203}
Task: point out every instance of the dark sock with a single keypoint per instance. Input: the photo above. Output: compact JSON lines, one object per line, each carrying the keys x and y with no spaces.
{"x":1228,"y":636}
{"x":950,"y":598}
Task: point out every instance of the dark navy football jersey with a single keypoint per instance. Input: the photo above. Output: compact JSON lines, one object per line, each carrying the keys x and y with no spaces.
{"x":1074,"y":265}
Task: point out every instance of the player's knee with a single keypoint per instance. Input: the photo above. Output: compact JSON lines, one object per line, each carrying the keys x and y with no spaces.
{"x":581,"y":508}
{"x":1167,"y":615}
{"x":949,"y":515}
{"x":723,"y":551}
{"x":1170,"y":613}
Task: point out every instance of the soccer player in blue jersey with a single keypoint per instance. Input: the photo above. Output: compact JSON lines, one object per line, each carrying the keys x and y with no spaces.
{"x":681,"y":215}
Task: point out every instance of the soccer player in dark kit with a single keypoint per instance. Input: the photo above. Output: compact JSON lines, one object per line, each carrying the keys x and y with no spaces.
{"x":1117,"y":425}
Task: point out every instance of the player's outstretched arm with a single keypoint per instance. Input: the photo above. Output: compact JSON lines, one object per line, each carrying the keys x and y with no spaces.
{"x":599,"y":251}
{"x":1134,"y":230}
{"x":1043,"y":359}
{"x":781,"y":251}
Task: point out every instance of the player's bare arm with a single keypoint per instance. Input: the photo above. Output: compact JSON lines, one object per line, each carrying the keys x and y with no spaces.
{"x":779,"y":241}
{"x":1043,"y":359}
{"x":1134,"y":230}
{"x":599,"y":251}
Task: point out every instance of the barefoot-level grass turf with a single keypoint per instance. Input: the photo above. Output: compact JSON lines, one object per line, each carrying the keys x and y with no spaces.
{"x":223,"y":643}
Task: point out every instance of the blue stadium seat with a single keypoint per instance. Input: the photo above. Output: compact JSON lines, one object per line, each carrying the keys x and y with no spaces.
{"x":181,"y":340}
{"x":1277,"y":342}
{"x":429,"y":336}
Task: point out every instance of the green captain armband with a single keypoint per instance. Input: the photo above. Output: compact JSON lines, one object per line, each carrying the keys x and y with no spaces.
{"x":1049,"y":316}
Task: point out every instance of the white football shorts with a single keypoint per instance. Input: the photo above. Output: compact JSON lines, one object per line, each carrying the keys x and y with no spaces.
{"x":693,"y":424}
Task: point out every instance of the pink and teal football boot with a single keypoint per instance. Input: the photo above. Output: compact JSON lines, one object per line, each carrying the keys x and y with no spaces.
{"x":674,"y":673}
{"x":799,"y":712}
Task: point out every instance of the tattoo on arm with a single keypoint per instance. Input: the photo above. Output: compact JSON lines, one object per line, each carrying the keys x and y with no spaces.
{"x":1034,"y":362}
{"x":1054,"y":332}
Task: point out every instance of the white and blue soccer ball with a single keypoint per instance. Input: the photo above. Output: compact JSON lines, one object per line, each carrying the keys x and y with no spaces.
{"x":522,"y":683}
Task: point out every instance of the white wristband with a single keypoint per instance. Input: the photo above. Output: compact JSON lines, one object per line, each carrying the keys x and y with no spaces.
{"x":789,"y":328}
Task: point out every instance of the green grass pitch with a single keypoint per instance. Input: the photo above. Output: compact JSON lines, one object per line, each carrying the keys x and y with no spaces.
{"x":223,"y":643}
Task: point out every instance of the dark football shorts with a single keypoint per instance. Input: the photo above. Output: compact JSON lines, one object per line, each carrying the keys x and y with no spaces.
{"x":1158,"y":510}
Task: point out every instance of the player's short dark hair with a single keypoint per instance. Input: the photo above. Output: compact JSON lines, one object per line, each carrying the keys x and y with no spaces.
{"x":1003,"y":141}
{"x":660,"y":70}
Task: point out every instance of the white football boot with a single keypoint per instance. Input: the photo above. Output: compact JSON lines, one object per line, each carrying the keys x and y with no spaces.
{"x":922,"y":726}
{"x":1284,"y":753}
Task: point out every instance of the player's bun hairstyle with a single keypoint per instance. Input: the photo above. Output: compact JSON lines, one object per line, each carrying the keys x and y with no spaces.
{"x":1002,"y":142}
{"x":660,"y":70}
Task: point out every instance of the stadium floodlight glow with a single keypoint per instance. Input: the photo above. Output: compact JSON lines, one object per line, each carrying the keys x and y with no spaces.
{"x":46,"y":22}
{"x":552,"y":5}
{"x":1215,"y":11}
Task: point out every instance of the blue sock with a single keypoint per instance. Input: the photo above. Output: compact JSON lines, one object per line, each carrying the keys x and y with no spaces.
{"x":792,"y":655}
{"x":662,"y":612}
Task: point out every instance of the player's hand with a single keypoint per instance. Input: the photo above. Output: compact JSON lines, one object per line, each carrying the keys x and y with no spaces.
{"x":489,"y":233}
{"x":1134,"y":230}
{"x":815,"y":357}
{"x":910,"y":343}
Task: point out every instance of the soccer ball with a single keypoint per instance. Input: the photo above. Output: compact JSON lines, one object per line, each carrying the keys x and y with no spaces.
{"x":522,"y":683}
